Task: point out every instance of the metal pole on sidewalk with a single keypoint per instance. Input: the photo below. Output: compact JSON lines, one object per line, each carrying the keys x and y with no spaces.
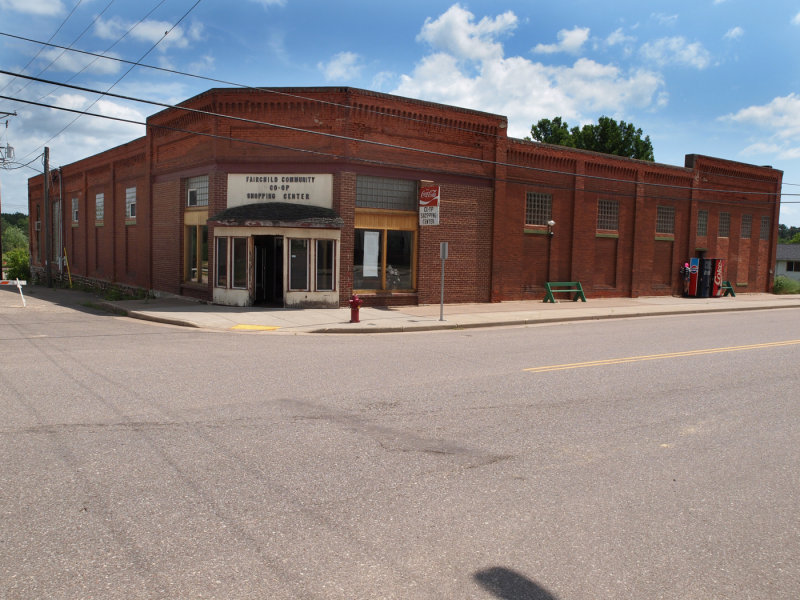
{"x":443,"y":255}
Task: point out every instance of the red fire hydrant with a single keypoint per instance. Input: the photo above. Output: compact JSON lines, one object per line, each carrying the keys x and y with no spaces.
{"x":355,"y":303}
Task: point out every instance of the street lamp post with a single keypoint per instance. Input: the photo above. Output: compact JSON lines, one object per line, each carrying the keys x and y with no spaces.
{"x":550,"y":225}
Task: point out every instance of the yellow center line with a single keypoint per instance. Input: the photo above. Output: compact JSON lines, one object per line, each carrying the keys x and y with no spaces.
{"x":631,"y":359}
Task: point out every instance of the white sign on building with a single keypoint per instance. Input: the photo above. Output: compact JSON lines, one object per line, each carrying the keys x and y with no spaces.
{"x":298,"y":188}
{"x":429,"y":197}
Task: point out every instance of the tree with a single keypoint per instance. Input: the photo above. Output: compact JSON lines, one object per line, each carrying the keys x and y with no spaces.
{"x":14,"y":238}
{"x":18,"y":264}
{"x":607,"y":136}
{"x":788,"y":235}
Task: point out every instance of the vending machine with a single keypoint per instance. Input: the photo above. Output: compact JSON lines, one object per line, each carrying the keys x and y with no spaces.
{"x":694,"y":268}
{"x":705,"y":277}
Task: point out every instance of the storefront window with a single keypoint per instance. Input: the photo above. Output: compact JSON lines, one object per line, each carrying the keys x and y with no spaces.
{"x":325,"y":265}
{"x":222,"y":262}
{"x":239,"y":262}
{"x":383,"y":260}
{"x":367,"y":257}
{"x":196,"y":254}
{"x":399,"y":250}
{"x":298,"y":264}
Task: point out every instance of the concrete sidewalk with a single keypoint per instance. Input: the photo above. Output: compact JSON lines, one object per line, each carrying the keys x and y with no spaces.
{"x":180,"y":311}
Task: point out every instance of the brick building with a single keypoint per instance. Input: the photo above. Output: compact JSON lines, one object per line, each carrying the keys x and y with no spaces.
{"x":298,"y":197}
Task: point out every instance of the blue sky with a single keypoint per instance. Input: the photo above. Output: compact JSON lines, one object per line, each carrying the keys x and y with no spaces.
{"x":716,"y":77}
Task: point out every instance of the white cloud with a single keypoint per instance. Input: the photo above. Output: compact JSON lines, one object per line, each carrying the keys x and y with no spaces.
{"x":663,"y":19}
{"x":47,"y":8}
{"x":456,"y":33}
{"x":519,"y":88}
{"x":618,"y":37}
{"x":676,"y":50}
{"x":782,"y":115}
{"x":569,"y":40}
{"x":342,"y":67}
{"x":268,"y":3}
{"x":796,"y":19}
{"x":72,"y":62}
{"x":149,"y":31}
{"x":780,"y":120}
{"x":734,"y":33}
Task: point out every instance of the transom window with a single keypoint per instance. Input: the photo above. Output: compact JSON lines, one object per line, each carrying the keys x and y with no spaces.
{"x":702,"y":223}
{"x":197,"y":191}
{"x":608,"y":215}
{"x":724,"y":224}
{"x":665,"y":219}
{"x":130,"y":203}
{"x":382,"y":192}
{"x":538,"y":208}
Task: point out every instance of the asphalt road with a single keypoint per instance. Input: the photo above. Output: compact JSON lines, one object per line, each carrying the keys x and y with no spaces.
{"x":643,"y":459}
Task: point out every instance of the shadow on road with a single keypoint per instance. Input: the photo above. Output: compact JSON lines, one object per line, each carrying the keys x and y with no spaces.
{"x":510,"y":585}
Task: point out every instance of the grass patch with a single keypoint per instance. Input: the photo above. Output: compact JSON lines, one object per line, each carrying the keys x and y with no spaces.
{"x":786,"y":285}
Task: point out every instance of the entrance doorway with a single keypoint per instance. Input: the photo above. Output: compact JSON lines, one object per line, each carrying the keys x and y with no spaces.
{"x":269,"y":270}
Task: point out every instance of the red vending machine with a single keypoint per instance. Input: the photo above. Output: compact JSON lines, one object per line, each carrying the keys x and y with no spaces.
{"x":719,"y":277}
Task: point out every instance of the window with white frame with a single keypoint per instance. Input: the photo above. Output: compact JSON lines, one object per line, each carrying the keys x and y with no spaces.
{"x":608,"y":215}
{"x":325,"y":265}
{"x":538,"y":208}
{"x":230,"y":263}
{"x":75,"y":203}
{"x":99,"y":208}
{"x":130,"y":203}
{"x":298,"y":264}
{"x":702,"y":223}
{"x":724,"y":224}
{"x":665,"y":219}
{"x":197,"y":191}
{"x":747,"y":227}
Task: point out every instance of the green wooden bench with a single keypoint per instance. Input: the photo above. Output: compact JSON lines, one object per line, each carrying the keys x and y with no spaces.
{"x":570,"y":287}
{"x":728,"y":289}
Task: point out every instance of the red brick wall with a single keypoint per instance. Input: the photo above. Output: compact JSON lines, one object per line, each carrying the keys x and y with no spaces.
{"x":484,"y":178}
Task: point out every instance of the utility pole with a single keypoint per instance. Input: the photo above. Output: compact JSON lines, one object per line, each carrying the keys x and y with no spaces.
{"x":6,"y":154}
{"x":47,"y":223}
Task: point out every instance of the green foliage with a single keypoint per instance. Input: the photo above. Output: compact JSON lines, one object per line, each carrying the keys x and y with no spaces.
{"x":18,"y":264}
{"x":14,"y":231}
{"x":14,"y":238}
{"x":786,"y":285}
{"x":788,"y":235}
{"x":16,"y":219}
{"x":607,"y":136}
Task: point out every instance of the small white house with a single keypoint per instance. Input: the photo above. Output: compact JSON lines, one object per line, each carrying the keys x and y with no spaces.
{"x":787,"y":261}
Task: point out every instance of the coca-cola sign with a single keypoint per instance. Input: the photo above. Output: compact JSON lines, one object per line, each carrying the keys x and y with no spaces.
{"x":429,"y":196}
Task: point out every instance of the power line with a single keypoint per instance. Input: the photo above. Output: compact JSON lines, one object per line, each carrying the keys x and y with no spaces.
{"x":345,"y":138}
{"x":270,"y":90}
{"x":64,"y":22}
{"x":430,"y":152}
{"x":121,"y":77}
